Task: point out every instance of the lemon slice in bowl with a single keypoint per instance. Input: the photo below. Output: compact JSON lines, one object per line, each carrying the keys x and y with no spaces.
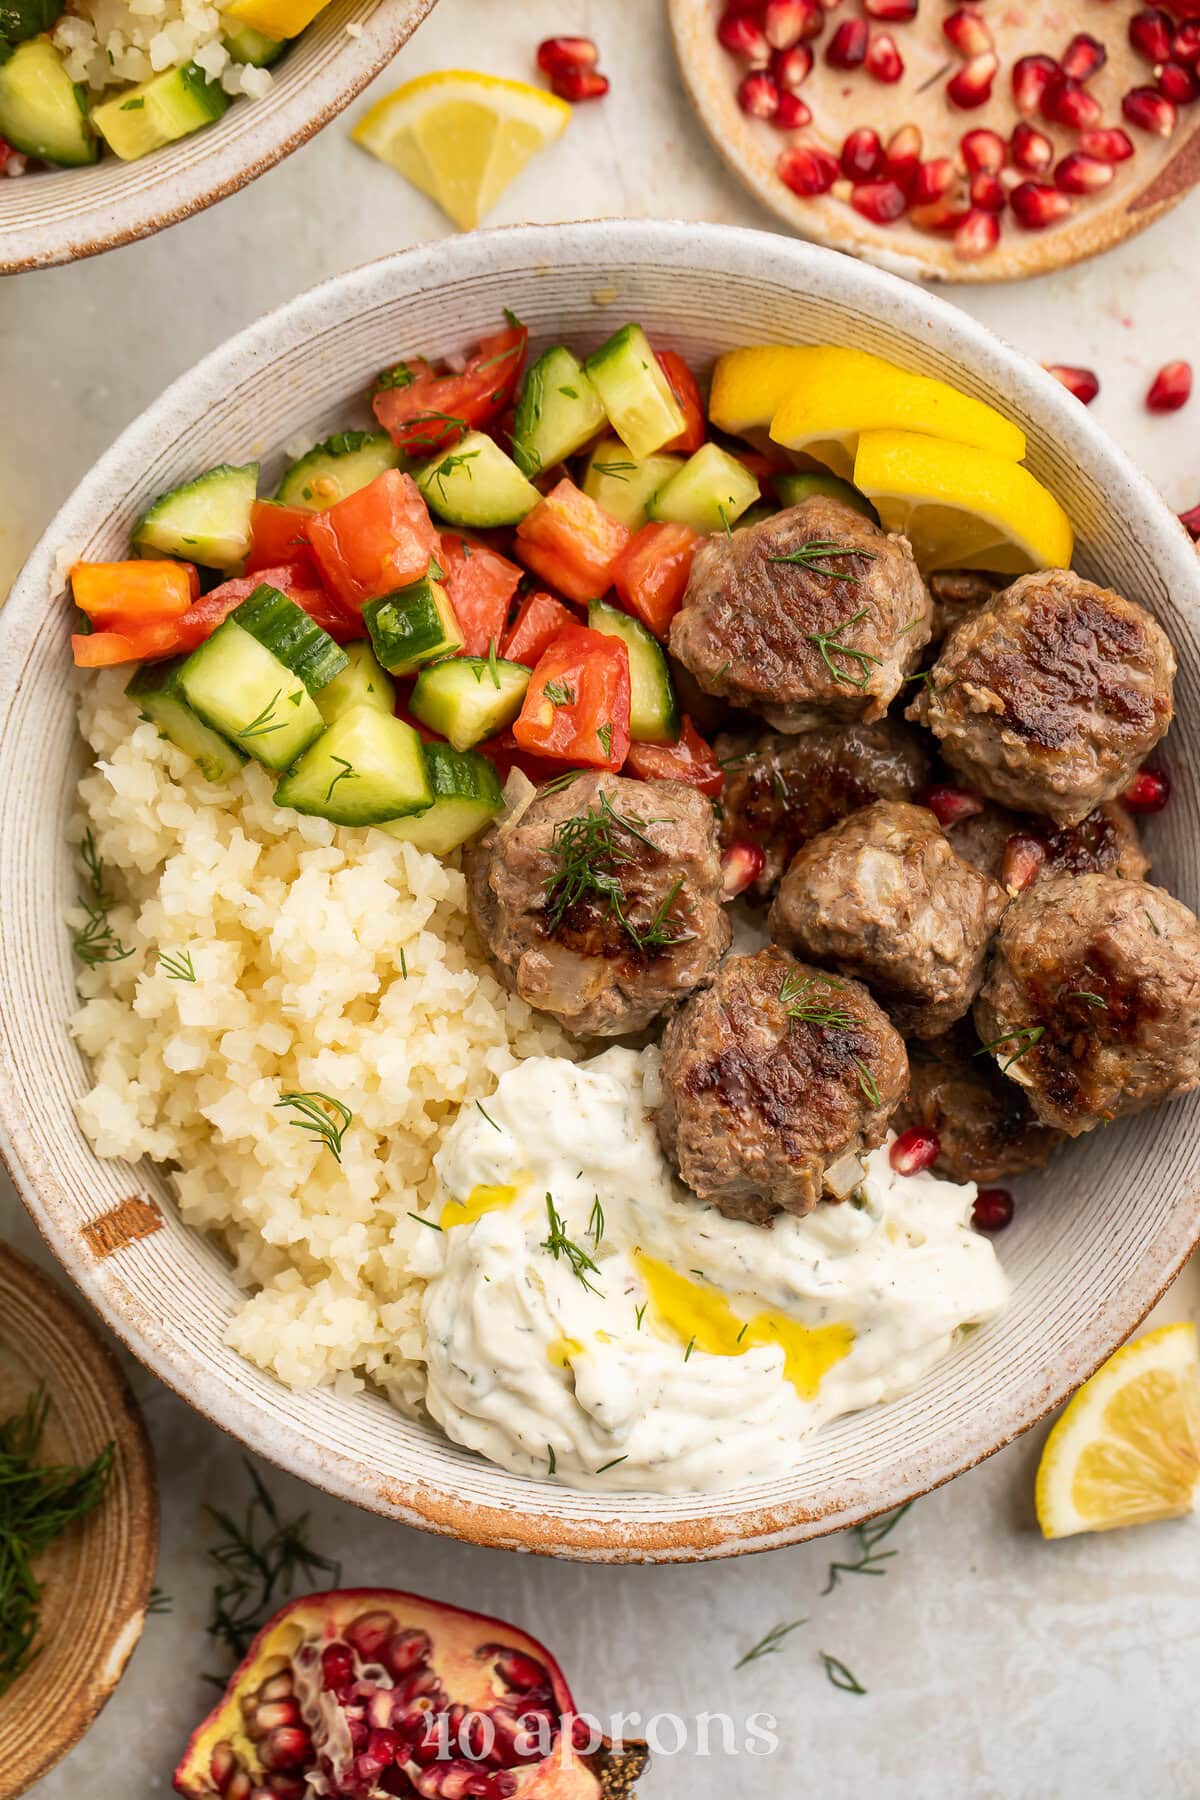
{"x":1127,"y":1449}
{"x":962,"y":507}
{"x":834,"y":395}
{"x":461,"y":137}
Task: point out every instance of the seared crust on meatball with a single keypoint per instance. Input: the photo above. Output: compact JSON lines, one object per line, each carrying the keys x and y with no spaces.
{"x":781,"y":790}
{"x":984,"y":1124}
{"x":769,"y":1077}
{"x":600,"y":903}
{"x":1051,"y":696}
{"x":883,"y":897}
{"x":811,"y":616}
{"x":1092,"y":1003}
{"x":1106,"y":841}
{"x":959,"y":594}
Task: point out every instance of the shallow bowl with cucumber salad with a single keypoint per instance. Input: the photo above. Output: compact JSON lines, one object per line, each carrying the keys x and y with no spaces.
{"x":422,"y":773}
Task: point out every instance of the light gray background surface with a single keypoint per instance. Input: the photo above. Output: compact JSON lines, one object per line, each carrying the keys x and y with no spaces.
{"x":995,"y":1665}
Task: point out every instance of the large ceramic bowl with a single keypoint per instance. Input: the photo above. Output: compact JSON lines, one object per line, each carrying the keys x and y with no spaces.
{"x":1095,"y":1241}
{"x":59,"y":215}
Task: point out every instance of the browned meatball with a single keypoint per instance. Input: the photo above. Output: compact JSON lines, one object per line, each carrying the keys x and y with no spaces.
{"x":959,"y":594}
{"x":769,"y":1078}
{"x":1107,"y":840}
{"x":781,"y":790}
{"x":810,"y":616}
{"x":1051,"y":696}
{"x":1092,"y":1002}
{"x":883,"y":897}
{"x":601,"y":902}
{"x":984,"y":1124}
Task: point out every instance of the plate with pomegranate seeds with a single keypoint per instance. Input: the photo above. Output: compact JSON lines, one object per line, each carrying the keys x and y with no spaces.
{"x":954,"y":143}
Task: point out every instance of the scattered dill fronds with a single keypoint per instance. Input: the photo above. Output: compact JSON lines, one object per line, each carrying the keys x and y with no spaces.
{"x":770,"y":1644}
{"x":560,"y":1245}
{"x":866,"y":1082}
{"x":321,"y":1114}
{"x":815,"y":556}
{"x":840,"y":1676}
{"x":261,"y":1561}
{"x":552,"y":1459}
{"x":867,"y":1539}
{"x":487,"y":1115}
{"x":596,"y":1221}
{"x":258,"y":726}
{"x":604,"y":1467}
{"x":178,"y":966}
{"x":591,"y":849}
{"x":811,"y":1009}
{"x":96,"y":941}
{"x":160,"y":1601}
{"x":829,"y":644}
{"x":432,"y":1224}
{"x":1025,"y":1037}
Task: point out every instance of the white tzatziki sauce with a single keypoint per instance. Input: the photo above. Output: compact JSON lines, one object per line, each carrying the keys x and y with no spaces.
{"x":698,"y":1350}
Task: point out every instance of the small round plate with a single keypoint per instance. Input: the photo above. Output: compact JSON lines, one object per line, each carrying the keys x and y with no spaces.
{"x":96,"y":1578}
{"x":1160,"y":173}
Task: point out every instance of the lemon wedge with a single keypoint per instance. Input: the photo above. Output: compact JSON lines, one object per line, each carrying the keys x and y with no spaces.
{"x":1127,"y":1448}
{"x":749,"y":385}
{"x":962,"y":507}
{"x":836,"y":394}
{"x":461,"y":137}
{"x":277,"y":18}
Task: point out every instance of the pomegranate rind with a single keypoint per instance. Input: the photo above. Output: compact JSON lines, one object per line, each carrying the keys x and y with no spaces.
{"x":458,"y":1636}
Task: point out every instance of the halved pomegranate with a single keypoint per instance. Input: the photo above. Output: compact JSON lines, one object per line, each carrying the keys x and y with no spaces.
{"x":370,"y":1692}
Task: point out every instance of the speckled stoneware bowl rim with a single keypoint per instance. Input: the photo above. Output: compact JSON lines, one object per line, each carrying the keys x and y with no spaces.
{"x":464,"y":1498}
{"x":66,"y":215}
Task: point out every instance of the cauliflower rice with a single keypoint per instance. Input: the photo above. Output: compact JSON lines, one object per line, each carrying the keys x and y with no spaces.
{"x":107,"y":43}
{"x":326,"y":960}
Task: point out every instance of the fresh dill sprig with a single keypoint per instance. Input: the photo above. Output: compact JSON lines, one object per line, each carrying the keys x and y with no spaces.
{"x":346,"y":772}
{"x":38,"y":1501}
{"x":1096,"y":1001}
{"x":261,"y":1561}
{"x":552,"y":1460}
{"x":1025,"y":1036}
{"x":178,"y":966}
{"x":160,"y":1601}
{"x":811,"y":1010}
{"x":487,"y":1115}
{"x":421,"y":1220}
{"x":829,"y":645}
{"x":620,"y":471}
{"x":840,"y":1676}
{"x":457,"y":459}
{"x":96,"y":941}
{"x":867,"y":1082}
{"x":815,"y":555}
{"x":604,"y":1467}
{"x":770,"y":1644}
{"x":605,"y":735}
{"x":687,"y":1355}
{"x":321,"y":1114}
{"x":557,"y":783}
{"x":591,"y":850}
{"x":559,"y":1244}
{"x":596,"y":1221}
{"x":258,"y":726}
{"x":431,"y":440}
{"x":558,"y":693}
{"x":867,"y":1539}
{"x":639,"y":1313}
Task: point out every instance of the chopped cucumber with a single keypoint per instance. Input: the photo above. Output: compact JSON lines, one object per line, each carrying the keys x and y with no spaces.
{"x":710,"y":492}
{"x":288,"y":632}
{"x":413,"y":626}
{"x":801,"y":484}
{"x":559,"y":410}
{"x":21,"y":19}
{"x":469,"y":698}
{"x":343,"y":464}
{"x":361,"y":683}
{"x":653,"y":708}
{"x":366,"y":767}
{"x":247,"y":45}
{"x":159,"y":696}
{"x":758,"y":514}
{"x":167,"y":107}
{"x":636,"y":394}
{"x":207,"y":520}
{"x":466,"y":795}
{"x":245,"y":693}
{"x":43,"y":113}
{"x":476,"y":484}
{"x":622,"y":486}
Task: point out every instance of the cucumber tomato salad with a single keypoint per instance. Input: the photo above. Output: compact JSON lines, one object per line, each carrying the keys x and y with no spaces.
{"x":486,"y":581}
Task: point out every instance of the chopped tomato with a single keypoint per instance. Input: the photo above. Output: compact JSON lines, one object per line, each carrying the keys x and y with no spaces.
{"x":571,"y":542}
{"x":374,"y":541}
{"x":653,"y":571}
{"x":761,"y":464}
{"x":506,"y":755}
{"x":293,"y":579}
{"x":538,"y":622}
{"x":480,"y":583}
{"x":134,"y":591}
{"x":124,"y":641}
{"x":277,"y":535}
{"x":691,"y":760}
{"x":425,"y":412}
{"x":576,"y":708}
{"x":683,"y":385}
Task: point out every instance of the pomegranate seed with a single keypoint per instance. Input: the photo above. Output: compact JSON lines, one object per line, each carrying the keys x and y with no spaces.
{"x":1150,"y":34}
{"x":287,"y":1748}
{"x":807,"y":169}
{"x":862,"y":154}
{"x":1031,"y":77}
{"x":222,"y":1765}
{"x":1083,"y":383}
{"x":983,"y":150}
{"x":902,"y":156}
{"x":946,"y":214}
{"x":744,"y":37}
{"x":1031,"y":149}
{"x":848,"y":45}
{"x":792,"y":113}
{"x":757,"y":94}
{"x":1190,"y":520}
{"x":972,"y":86}
{"x":1148,"y":792}
{"x":896,"y":12}
{"x":914,"y":1151}
{"x":979,"y":232}
{"x":967,"y":32}
{"x":741,"y":866}
{"x":950,"y":805}
{"x":993,"y":1209}
{"x":407,"y":1651}
{"x":1185,"y":45}
{"x":1081,"y":174}
{"x":784,"y":21}
{"x":1108,"y":142}
{"x":1083,"y":57}
{"x":1178,"y":83}
{"x":791,"y":68}
{"x":1036,"y":205}
{"x":1150,"y":110}
{"x":880,"y":201}
{"x":554,"y":54}
{"x":1066,"y":102}
{"x":884,"y":61}
{"x":934,"y":178}
{"x":1022,"y":862}
{"x":579,"y":84}
{"x":337,"y":1666}
{"x":987,"y":192}
{"x":1171,"y":388}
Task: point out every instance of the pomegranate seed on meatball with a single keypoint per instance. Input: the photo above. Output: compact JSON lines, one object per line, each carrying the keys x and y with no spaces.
{"x":1106,"y":841}
{"x":985,"y":1127}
